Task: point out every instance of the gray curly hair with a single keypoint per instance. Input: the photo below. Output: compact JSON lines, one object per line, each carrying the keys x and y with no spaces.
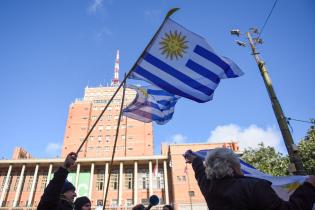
{"x":220,"y":162}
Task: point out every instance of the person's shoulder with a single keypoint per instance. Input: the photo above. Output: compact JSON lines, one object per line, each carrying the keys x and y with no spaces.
{"x":253,"y":180}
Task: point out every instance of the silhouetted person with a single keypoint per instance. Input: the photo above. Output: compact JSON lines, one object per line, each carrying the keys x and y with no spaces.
{"x":59,"y":194}
{"x":224,"y":186}
{"x":82,"y":203}
{"x":168,"y":207}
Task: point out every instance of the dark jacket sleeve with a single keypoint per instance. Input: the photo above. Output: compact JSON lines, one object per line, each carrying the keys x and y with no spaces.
{"x":50,"y":198}
{"x":200,"y":175}
{"x":302,"y":199}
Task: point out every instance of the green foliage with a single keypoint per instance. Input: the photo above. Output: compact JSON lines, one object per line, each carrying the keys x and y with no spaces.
{"x":267,"y":160}
{"x":307,"y":151}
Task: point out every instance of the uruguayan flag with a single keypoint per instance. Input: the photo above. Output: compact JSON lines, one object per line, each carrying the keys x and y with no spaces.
{"x":284,"y":186}
{"x":151,"y":104}
{"x":182,"y":63}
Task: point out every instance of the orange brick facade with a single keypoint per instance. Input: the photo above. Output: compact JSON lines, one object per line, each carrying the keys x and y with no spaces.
{"x":137,"y":172}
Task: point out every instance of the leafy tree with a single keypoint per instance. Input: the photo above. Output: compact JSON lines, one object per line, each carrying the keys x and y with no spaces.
{"x":267,"y":160}
{"x":307,"y":151}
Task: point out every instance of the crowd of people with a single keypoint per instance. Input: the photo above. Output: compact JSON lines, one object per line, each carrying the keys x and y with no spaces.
{"x":219,"y":177}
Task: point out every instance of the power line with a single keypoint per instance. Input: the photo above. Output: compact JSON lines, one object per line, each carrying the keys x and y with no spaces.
{"x":305,"y":121}
{"x":262,"y":28}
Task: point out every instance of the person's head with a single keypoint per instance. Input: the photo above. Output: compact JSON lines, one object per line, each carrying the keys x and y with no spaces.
{"x":222,"y":162}
{"x":138,"y":207}
{"x":82,"y":203}
{"x":68,"y":191}
{"x":168,"y":207}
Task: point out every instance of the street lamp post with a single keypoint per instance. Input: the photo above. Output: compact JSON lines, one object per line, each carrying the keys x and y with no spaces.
{"x":296,"y":165}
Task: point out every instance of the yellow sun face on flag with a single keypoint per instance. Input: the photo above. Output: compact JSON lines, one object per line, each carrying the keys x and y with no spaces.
{"x":143,"y":91}
{"x":173,"y":45}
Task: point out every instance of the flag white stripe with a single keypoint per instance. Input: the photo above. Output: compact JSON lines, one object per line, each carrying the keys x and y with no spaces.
{"x":174,"y":81}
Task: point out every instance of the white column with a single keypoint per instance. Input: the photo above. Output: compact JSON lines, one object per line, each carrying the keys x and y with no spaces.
{"x":167,"y":199}
{"x":135,"y":185}
{"x":77,"y":176}
{"x":19,"y":187}
{"x":91,"y":181}
{"x":121,"y":167}
{"x":6,"y":185}
{"x":30,"y":197}
{"x":49,"y":174}
{"x":150,"y":179}
{"x":105,"y":179}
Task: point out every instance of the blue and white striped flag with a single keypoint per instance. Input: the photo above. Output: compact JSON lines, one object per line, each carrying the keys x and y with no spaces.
{"x":182,"y":63}
{"x":284,"y":186}
{"x":151,"y":104}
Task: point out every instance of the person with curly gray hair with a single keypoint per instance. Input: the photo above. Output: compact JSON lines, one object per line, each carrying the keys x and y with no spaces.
{"x":225,"y":187}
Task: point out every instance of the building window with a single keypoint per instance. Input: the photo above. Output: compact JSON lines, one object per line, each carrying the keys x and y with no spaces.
{"x":108,"y":127}
{"x":16,"y":183}
{"x":113,"y":182}
{"x":114,"y":203}
{"x":158,"y":180}
{"x":109,"y":117}
{"x":107,"y":138}
{"x":128,"y":180}
{"x":93,"y":117}
{"x":145,"y":201}
{"x":100,"y":128}
{"x":191,"y":193}
{"x":90,"y":148}
{"x":129,"y":202}
{"x":106,"y":148}
{"x":143,"y":179}
{"x":98,"y":149}
{"x":99,"y":138}
{"x":43,"y":182}
{"x":100,"y":180}
{"x":91,"y":138}
{"x":29,"y":184}
{"x":123,"y":137}
{"x":116,"y":117}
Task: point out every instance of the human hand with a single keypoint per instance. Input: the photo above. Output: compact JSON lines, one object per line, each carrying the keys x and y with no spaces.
{"x":189,"y":156}
{"x":311,"y":180}
{"x":70,"y":160}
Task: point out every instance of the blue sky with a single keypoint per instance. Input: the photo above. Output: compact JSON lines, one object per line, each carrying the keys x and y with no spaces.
{"x":51,"y":50}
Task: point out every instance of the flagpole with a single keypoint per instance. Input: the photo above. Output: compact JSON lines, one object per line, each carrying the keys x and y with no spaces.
{"x":168,"y":15}
{"x":115,"y":143}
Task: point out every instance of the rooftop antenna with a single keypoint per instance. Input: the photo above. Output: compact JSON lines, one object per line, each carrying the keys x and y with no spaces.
{"x":115,"y":81}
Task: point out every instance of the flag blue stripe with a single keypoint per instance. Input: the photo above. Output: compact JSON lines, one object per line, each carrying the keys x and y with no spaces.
{"x":139,"y":104}
{"x":159,"y":92}
{"x":167,"y":103}
{"x":246,"y":164}
{"x":177,"y":74}
{"x":203,"y":71}
{"x":153,"y":117}
{"x":161,"y":83}
{"x":216,"y":60}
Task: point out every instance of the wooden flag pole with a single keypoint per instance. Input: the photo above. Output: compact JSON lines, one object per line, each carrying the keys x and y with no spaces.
{"x":170,"y":13}
{"x":114,"y":148}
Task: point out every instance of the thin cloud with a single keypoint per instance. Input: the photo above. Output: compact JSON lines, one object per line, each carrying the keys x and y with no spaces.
{"x":176,"y":139}
{"x":97,"y":4}
{"x":250,"y":136}
{"x":104,"y":32}
{"x":153,"y":15}
{"x":53,"y":149}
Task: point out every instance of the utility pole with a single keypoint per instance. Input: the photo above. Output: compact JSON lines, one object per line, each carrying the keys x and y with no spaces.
{"x":296,"y":165}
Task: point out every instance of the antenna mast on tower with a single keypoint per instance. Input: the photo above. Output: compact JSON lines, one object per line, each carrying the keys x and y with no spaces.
{"x":115,"y":81}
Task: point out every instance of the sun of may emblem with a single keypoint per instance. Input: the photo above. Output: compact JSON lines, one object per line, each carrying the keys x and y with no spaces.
{"x":173,"y":45}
